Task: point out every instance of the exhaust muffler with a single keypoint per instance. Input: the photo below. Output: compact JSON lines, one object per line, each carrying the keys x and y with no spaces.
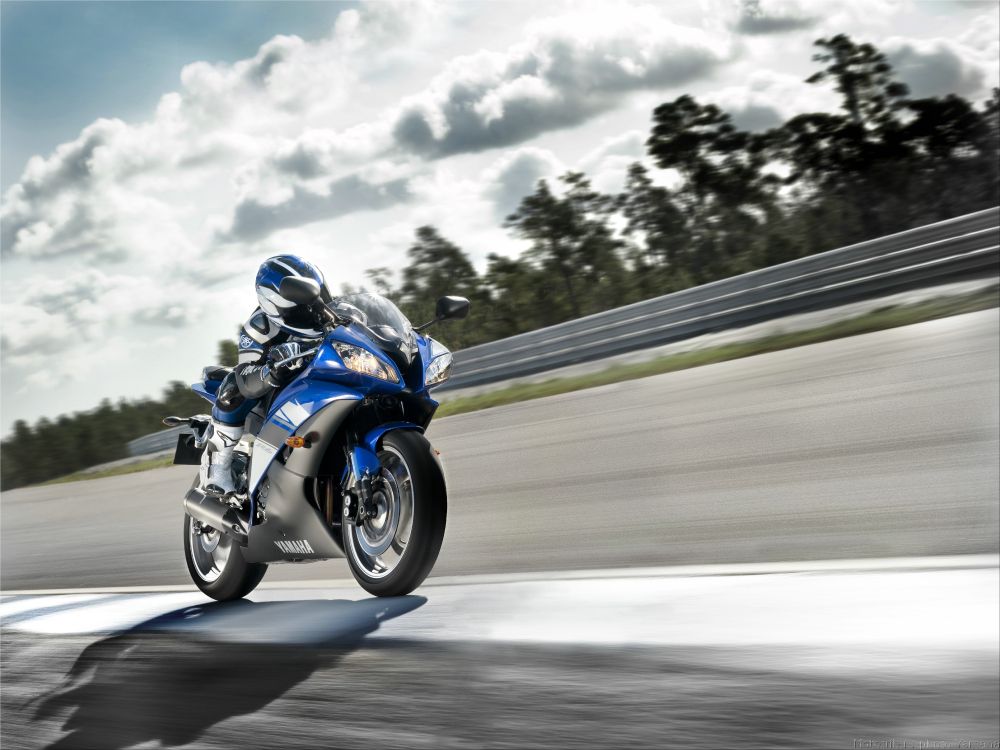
{"x":218,"y":514}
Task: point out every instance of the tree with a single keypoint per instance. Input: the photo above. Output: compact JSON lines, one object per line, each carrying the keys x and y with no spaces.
{"x":17,"y":457}
{"x":437,"y":268}
{"x":853,"y":157}
{"x":520,"y":298}
{"x":73,"y":442}
{"x":862,"y":75}
{"x":572,"y":242}
{"x":659,"y":231}
{"x":381,"y":280}
{"x":228,"y":353}
{"x":883,"y":162}
{"x":955,"y":154}
{"x":725,"y":192}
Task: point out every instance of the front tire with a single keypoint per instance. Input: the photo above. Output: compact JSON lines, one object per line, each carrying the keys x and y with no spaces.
{"x":216,"y":565}
{"x":392,"y":553}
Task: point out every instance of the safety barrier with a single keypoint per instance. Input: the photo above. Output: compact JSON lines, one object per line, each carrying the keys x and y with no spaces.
{"x":962,"y":247}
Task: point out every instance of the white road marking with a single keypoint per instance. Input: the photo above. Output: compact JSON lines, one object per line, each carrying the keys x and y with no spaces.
{"x":109,"y":616}
{"x":895,"y":608}
{"x":937,"y":562}
{"x":19,"y":606}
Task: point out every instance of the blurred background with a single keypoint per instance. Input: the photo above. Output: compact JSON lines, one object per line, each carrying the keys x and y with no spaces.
{"x":722,"y":436}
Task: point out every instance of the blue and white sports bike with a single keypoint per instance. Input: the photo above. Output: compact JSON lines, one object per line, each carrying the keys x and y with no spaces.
{"x":334,"y":464}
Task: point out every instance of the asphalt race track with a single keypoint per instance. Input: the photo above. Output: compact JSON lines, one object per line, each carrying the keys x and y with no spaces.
{"x":793,"y":658}
{"x":553,"y":617}
{"x":882,"y":445}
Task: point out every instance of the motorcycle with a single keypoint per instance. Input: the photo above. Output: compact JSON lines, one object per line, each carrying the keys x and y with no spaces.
{"x":334,"y":464}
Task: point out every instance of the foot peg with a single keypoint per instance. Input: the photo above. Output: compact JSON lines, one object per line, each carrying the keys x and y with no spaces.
{"x":198,"y":421}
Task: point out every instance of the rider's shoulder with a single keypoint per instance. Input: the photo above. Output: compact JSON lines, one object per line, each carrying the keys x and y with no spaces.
{"x":260,"y":328}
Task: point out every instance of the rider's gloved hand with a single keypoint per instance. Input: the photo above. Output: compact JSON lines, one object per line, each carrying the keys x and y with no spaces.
{"x":283,"y":373}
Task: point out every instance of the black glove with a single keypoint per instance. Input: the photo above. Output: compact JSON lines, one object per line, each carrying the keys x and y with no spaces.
{"x":281,"y":374}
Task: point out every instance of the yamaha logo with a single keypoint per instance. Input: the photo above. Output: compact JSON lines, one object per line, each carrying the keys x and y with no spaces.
{"x":245,"y":342}
{"x":295,"y":547}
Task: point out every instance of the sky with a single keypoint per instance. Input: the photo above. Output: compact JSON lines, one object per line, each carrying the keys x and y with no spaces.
{"x":154,"y":153}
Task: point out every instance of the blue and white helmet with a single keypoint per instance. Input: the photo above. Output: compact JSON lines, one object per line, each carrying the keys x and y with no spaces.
{"x":283,"y":311}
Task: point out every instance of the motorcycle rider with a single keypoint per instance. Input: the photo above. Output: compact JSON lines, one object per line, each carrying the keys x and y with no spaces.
{"x":273,"y":333}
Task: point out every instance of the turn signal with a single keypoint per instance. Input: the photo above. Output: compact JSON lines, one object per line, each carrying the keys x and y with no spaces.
{"x":296,"y":442}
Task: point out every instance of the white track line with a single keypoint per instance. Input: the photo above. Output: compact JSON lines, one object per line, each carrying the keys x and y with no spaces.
{"x":19,"y":606}
{"x":889,"y":606}
{"x":940,"y":562}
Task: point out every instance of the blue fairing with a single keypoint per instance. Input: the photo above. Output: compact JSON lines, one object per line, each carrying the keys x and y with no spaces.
{"x":370,"y":440}
{"x":327,"y":365}
{"x":324,"y":381}
{"x":303,"y":398}
{"x":364,"y":457}
{"x":364,"y":461}
{"x":207,"y":390}
{"x":424,"y":352}
{"x":234,"y":417}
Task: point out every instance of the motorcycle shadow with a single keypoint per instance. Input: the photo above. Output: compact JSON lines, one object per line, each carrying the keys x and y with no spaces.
{"x":172,"y":677}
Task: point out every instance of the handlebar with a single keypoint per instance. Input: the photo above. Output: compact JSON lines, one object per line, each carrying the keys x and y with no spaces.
{"x":328,"y":316}
{"x":300,"y":355}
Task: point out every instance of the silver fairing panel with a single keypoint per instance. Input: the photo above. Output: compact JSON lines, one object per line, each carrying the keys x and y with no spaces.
{"x":293,"y":529}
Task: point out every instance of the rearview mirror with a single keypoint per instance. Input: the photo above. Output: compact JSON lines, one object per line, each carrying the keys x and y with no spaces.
{"x":450,"y":308}
{"x":299,"y":289}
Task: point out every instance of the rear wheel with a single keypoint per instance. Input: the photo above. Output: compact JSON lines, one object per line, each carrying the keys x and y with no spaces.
{"x":215,"y":563}
{"x":393,"y":552}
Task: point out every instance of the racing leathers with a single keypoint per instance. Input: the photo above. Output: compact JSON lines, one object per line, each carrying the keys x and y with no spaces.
{"x":267,"y":353}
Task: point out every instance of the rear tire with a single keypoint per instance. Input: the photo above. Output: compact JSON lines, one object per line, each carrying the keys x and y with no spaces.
{"x":421,"y":520}
{"x":216,"y":565}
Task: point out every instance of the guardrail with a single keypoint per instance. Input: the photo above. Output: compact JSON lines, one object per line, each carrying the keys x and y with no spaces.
{"x":155,"y":442}
{"x":965,"y":246}
{"x":959,"y":247}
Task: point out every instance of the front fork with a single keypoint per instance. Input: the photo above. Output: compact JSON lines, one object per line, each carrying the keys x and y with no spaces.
{"x":362,"y":479}
{"x":362,"y":482}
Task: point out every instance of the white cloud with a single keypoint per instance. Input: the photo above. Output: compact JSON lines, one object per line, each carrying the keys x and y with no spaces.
{"x":223,"y":121}
{"x":515,"y":175}
{"x":607,"y":165}
{"x":319,"y":152}
{"x":253,"y":219}
{"x":936,"y":67}
{"x":338,"y":148}
{"x":58,"y":314}
{"x":768,"y":98}
{"x":569,"y":69}
{"x":779,"y":20}
{"x":983,"y":36}
{"x":774,"y":17}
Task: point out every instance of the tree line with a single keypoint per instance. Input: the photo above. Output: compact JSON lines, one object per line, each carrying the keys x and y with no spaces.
{"x":882,"y":162}
{"x":54,"y":448}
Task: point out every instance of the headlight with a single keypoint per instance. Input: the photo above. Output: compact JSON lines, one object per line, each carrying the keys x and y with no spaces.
{"x":438,"y":370}
{"x":363,"y":361}
{"x":440,"y":367}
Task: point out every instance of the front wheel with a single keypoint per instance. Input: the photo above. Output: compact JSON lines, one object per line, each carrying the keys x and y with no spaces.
{"x":391,"y":553}
{"x":216,"y":563}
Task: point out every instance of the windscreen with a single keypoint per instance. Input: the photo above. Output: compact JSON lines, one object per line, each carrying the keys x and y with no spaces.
{"x":392,"y":331}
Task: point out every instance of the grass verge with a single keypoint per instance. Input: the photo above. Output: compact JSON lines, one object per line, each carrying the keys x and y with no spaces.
{"x":876,"y":320}
{"x":114,"y":471}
